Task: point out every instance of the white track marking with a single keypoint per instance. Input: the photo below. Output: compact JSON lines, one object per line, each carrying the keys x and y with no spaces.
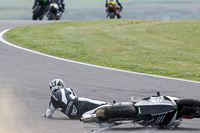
{"x":86,"y":64}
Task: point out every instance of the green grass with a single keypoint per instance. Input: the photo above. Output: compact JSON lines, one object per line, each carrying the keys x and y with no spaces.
{"x":168,"y":48}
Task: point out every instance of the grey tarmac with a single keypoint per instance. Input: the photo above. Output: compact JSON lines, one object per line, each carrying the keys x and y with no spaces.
{"x":24,"y":86}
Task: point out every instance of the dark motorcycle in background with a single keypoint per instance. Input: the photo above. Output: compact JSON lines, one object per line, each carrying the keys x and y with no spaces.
{"x":54,"y":13}
{"x":112,"y":12}
{"x":39,"y":9}
{"x":155,"y":111}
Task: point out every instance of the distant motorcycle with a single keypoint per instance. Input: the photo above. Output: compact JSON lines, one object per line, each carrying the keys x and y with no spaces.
{"x":112,"y":11}
{"x":39,"y":10}
{"x":156,"y":111}
{"x":54,"y":13}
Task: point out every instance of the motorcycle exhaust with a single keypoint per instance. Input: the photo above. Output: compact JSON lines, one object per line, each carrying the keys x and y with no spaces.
{"x":88,"y":118}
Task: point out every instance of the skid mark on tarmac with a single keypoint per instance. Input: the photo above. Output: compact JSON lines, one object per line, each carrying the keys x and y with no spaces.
{"x":10,"y":111}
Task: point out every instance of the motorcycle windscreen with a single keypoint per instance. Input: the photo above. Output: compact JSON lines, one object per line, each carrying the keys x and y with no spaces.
{"x":155,"y":109}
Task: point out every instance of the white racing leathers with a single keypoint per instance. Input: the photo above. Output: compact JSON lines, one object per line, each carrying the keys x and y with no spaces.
{"x":67,"y":102}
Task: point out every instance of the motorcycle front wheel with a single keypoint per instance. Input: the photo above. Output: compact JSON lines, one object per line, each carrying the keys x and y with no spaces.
{"x":190,"y":107}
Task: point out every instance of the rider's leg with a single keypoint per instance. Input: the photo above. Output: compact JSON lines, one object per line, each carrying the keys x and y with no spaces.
{"x":89,"y":105}
{"x":119,"y":12}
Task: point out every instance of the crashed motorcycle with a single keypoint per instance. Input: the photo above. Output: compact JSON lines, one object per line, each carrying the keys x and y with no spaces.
{"x":155,"y":111}
{"x":54,"y":13}
{"x":39,"y":9}
{"x":112,"y":11}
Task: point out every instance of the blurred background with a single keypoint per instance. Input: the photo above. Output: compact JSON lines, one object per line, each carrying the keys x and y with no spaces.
{"x":95,"y":9}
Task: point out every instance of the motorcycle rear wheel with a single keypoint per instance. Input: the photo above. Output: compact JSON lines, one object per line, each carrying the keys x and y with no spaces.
{"x":52,"y":16}
{"x":116,"y":113}
{"x":112,"y":15}
{"x":36,"y":12}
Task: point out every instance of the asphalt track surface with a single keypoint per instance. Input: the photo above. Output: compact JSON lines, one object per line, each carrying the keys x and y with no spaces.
{"x":24,"y":91}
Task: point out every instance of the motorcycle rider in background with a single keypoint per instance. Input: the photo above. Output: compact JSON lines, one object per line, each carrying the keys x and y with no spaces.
{"x":119,"y":7}
{"x":60,"y":3}
{"x":66,"y":100}
{"x":46,"y":5}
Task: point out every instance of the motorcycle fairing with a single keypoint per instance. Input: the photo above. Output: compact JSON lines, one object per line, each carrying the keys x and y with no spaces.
{"x":155,"y":110}
{"x":112,"y":7}
{"x":156,"y":105}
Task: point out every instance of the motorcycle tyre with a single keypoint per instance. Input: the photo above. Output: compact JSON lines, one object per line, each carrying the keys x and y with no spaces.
{"x":117,"y":112}
{"x":188,"y":102}
{"x":51,"y":16}
{"x":112,"y":15}
{"x":36,"y":12}
{"x":57,"y":18}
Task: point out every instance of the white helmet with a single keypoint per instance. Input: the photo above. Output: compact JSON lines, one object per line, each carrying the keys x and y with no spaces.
{"x":56,"y":84}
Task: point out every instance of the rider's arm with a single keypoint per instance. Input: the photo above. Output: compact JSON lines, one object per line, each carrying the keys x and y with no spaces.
{"x":34,"y":4}
{"x":119,"y":4}
{"x":49,"y":111}
{"x":72,"y":93}
{"x":63,"y":4}
{"x":106,"y":3}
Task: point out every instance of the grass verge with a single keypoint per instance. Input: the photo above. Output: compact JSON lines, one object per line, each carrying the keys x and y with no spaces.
{"x":168,"y":48}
